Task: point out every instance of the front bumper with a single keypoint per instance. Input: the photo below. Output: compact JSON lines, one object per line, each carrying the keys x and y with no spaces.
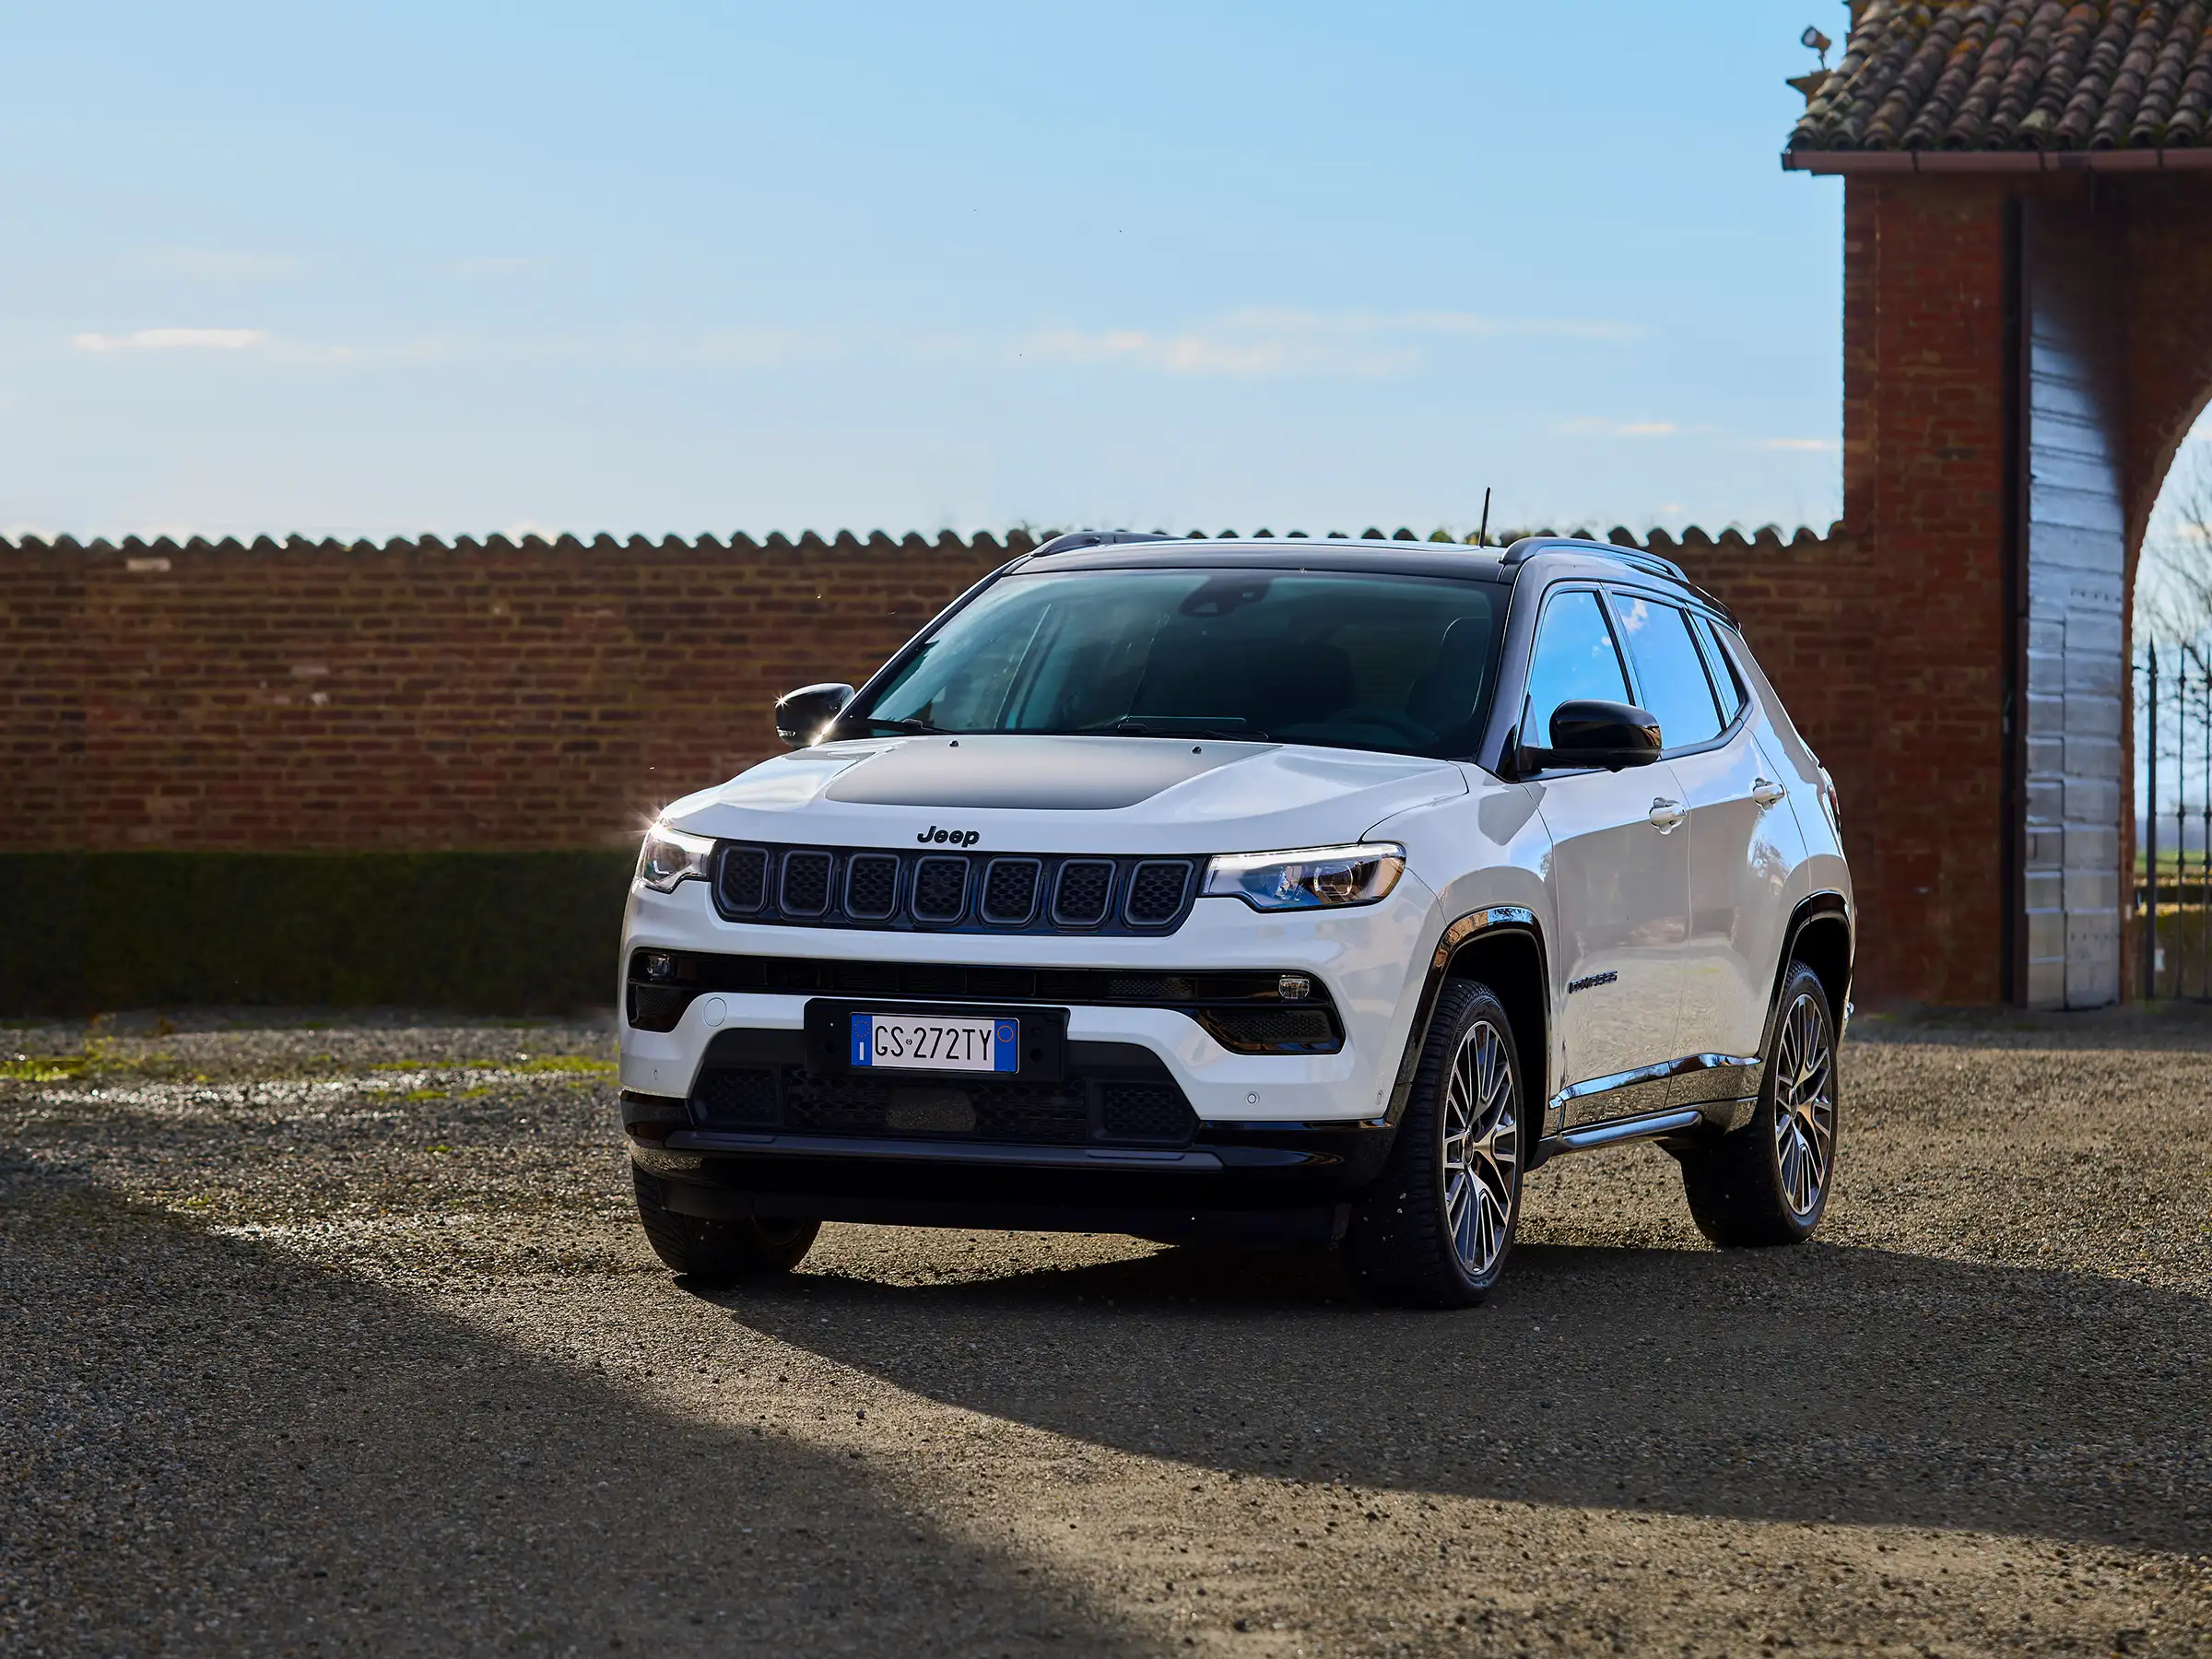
{"x":1368,"y":958}
{"x":1231,"y":1181}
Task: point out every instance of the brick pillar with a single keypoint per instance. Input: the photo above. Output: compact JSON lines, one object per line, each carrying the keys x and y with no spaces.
{"x":1925,"y":352}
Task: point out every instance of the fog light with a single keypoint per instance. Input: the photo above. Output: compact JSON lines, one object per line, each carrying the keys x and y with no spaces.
{"x":1294,"y":987}
{"x":659,"y":965}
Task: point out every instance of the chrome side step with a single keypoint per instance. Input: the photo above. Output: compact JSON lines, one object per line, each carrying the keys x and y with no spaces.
{"x":1617,"y":1132}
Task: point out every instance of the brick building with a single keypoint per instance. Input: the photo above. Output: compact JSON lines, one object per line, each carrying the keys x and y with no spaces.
{"x":2028,"y":338}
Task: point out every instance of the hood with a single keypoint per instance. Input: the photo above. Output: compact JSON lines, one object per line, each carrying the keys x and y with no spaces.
{"x":1068,"y":795}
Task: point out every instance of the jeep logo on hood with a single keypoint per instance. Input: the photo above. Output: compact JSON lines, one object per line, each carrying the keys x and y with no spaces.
{"x":958,"y":838}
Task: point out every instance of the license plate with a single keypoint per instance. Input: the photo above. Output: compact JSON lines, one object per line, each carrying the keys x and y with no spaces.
{"x":936,"y":1042}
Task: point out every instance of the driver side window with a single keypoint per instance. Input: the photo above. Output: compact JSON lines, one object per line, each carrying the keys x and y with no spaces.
{"x":1574,"y":658}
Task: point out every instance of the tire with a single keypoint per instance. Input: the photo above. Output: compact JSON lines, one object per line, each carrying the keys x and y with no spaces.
{"x":718,"y":1252}
{"x":1435,"y":1229}
{"x":1768,"y":1182}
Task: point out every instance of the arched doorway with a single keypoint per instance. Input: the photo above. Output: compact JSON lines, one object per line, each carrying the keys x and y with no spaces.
{"x":2028,"y":253}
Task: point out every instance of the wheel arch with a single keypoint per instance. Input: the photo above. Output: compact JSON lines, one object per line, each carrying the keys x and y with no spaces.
{"x":1820,"y":936}
{"x":1502,"y":948}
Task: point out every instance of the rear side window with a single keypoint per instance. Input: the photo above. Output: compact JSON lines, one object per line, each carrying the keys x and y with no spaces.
{"x":1574,"y":659}
{"x":1670,"y":675}
{"x":1725,"y":681}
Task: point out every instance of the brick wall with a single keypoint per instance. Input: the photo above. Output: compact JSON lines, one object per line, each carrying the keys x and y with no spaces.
{"x":420,"y":696}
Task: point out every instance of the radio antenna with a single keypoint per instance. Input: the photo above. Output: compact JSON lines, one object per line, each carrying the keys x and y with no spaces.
{"x":1482,"y":536}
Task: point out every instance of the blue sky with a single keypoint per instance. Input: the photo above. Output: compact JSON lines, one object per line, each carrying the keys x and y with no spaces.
{"x":675,"y":268}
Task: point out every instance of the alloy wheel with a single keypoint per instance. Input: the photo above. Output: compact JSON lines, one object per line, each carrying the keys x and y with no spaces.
{"x":1481,"y":1148}
{"x":1805,"y":1105}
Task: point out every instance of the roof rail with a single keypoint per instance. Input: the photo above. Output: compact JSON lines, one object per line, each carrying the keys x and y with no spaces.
{"x":1528,"y":546}
{"x":1077,"y":539}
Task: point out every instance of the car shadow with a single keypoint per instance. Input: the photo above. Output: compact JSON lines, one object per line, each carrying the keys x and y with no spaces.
{"x":211,"y":1445}
{"x":1825,"y":1384}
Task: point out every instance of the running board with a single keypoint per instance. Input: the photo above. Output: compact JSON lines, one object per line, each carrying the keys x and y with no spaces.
{"x":1617,"y":1132}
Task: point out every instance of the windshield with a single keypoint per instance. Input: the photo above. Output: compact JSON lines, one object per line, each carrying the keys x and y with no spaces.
{"x":1370,"y":662}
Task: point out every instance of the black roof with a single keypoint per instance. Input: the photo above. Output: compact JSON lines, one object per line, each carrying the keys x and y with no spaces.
{"x":1301,"y":553}
{"x":1563,"y":556}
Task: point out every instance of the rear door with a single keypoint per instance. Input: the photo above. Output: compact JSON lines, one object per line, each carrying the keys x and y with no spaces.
{"x":1743,"y":840}
{"x":1620,"y":862}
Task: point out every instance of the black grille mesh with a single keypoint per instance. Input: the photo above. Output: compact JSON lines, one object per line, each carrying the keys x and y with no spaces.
{"x":735,"y":1099}
{"x":1156,"y":891}
{"x":1086,"y":885}
{"x":940,"y":889}
{"x":806,"y":883}
{"x":1119,"y":1107}
{"x":1155,"y":1114}
{"x":871,"y":886}
{"x":1010,"y":891}
{"x":1261,"y":1031}
{"x":745,"y":878}
{"x":1040,"y":1113}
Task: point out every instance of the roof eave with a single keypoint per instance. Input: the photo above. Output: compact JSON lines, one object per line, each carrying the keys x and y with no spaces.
{"x":1997,"y":161}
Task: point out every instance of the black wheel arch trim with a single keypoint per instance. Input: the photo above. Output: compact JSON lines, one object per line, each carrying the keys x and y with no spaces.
{"x":1824,"y":907}
{"x":1489,"y":922}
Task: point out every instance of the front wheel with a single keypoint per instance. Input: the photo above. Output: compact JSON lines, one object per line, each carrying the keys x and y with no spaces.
{"x":718,"y":1252}
{"x":1768,"y":1182}
{"x":1434,"y":1230}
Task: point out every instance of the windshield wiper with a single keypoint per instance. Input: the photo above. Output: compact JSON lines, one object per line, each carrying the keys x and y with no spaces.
{"x":919,"y":727}
{"x":1187,"y":725}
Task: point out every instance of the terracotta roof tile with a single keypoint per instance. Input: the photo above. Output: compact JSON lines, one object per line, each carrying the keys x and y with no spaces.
{"x":1997,"y":75}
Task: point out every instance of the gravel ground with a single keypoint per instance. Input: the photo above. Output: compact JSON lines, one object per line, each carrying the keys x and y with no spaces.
{"x":340,"y":1336}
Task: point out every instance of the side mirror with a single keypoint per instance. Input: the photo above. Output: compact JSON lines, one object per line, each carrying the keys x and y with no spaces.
{"x":1587,"y":732}
{"x":801,"y":715}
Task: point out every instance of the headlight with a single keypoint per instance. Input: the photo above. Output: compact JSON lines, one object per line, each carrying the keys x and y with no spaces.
{"x":1310,"y":878}
{"x":670,"y":856}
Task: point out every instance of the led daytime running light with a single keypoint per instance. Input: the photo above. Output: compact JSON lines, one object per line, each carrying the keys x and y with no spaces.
{"x":670,"y":856}
{"x":1309,"y":878}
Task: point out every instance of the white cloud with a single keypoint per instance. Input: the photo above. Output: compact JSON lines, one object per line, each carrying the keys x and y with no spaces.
{"x":747,"y":345}
{"x":494,"y":265}
{"x":173,"y":339}
{"x":1815,"y":445}
{"x":224,"y":267}
{"x":1261,"y":340}
{"x":1589,"y":426}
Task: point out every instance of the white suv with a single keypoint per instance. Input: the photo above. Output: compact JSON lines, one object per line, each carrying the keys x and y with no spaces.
{"x":1309,"y":889}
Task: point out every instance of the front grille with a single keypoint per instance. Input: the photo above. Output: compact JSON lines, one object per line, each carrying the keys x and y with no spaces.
{"x":1010,"y":891}
{"x":1086,"y":888}
{"x":744,"y":879}
{"x":806,"y":883}
{"x":1156,"y":891}
{"x":871,"y":887}
{"x":940,"y":889}
{"x":1130,"y":1103}
{"x":896,"y":890}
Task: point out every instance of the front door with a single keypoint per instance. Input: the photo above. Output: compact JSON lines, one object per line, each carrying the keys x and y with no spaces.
{"x":1620,"y":865}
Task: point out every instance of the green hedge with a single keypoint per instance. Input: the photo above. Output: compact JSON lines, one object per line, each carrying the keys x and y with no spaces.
{"x":483,"y":932}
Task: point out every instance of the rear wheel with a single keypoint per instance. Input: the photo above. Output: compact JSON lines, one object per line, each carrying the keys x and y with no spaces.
{"x":1434,"y":1230}
{"x":1768,"y":1182}
{"x":718,"y":1252}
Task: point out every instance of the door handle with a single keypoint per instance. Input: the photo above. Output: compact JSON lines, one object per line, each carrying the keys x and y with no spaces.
{"x":1766,"y":792}
{"x":1665,"y":814}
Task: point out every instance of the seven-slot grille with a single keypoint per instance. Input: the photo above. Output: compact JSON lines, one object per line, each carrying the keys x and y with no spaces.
{"x":978,"y":892}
